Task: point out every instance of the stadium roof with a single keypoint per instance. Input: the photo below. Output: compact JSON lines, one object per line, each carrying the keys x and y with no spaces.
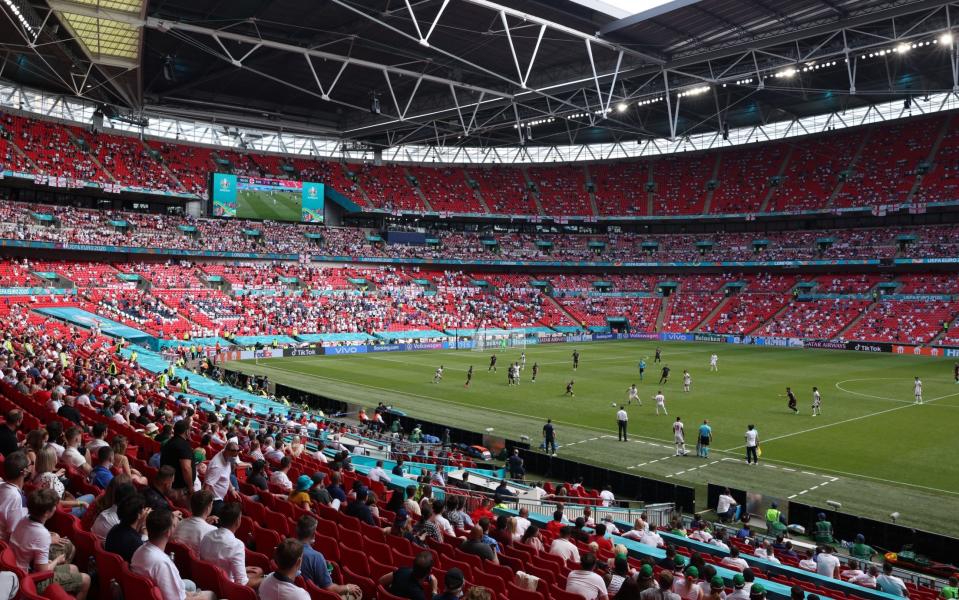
{"x":477,"y":72}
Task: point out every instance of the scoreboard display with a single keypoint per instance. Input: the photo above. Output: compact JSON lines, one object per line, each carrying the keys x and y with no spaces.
{"x":239,"y":196}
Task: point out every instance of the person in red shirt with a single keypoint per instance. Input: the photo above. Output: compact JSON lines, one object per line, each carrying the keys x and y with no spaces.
{"x":556,"y":524}
{"x":484,"y":511}
{"x":600,"y":538}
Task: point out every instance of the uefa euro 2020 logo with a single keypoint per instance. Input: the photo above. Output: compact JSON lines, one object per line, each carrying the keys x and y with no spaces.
{"x":224,"y":184}
{"x":312,"y":193}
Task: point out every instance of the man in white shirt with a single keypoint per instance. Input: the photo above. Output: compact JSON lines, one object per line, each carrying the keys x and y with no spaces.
{"x":445,"y":527}
{"x":808,"y":563}
{"x":279,"y":477}
{"x":16,"y":469}
{"x":660,"y":402}
{"x":827,"y":565}
{"x":190,"y":532}
{"x":218,"y":473}
{"x":607,"y":495}
{"x":752,"y":444}
{"x":564,"y":548}
{"x":279,"y":584}
{"x":734,"y":561}
{"x":378,"y":473}
{"x":739,"y":588}
{"x":151,"y":561}
{"x":726,"y":506}
{"x":221,"y":548}
{"x":917,"y":389}
{"x":649,"y":537}
{"x":522,"y":523}
{"x":585,"y":582}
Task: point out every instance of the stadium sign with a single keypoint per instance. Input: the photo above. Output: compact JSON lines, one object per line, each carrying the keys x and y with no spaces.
{"x":345,"y":350}
{"x":709,"y":337}
{"x":824,"y":344}
{"x":386,"y":348}
{"x":675,"y":337}
{"x":289,"y":352}
{"x":868,"y":347}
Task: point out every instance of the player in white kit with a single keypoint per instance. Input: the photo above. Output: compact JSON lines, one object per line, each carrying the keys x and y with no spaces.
{"x":633,"y":394}
{"x":917,"y":388}
{"x":660,"y":402}
{"x":438,"y":376}
{"x":522,"y":361}
{"x":687,"y":380}
{"x":816,"y":402}
{"x":679,"y":437}
{"x":714,"y":362}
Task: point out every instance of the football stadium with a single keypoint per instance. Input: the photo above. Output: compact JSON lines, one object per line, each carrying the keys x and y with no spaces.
{"x":481,"y":299}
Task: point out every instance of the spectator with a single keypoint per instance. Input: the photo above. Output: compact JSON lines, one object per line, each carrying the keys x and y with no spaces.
{"x":408,"y":582}
{"x":739,"y":588}
{"x":105,"y":507}
{"x":733,"y":561}
{"x":151,"y":561}
{"x":410,"y":503}
{"x":532,"y":537}
{"x":318,"y":492}
{"x":159,"y":494}
{"x":16,"y":468}
{"x":502,"y":493}
{"x":190,"y":532}
{"x":861,"y":550}
{"x":8,"y":432}
{"x":279,"y":584}
{"x":950,"y":591}
{"x":127,"y":535}
{"x":46,"y":477}
{"x":665,"y":581}
{"x":686,"y":587}
{"x":256,"y":476}
{"x":218,"y":474}
{"x":378,"y":473}
{"x":314,"y":567}
{"x":556,"y":524}
{"x":827,"y":564}
{"x":358,"y":507}
{"x":426,"y":528}
{"x":889,"y":583}
{"x":37,"y":550}
{"x":102,"y":472}
{"x":757,"y":592}
{"x":223,"y":549}
{"x":335,"y":488}
{"x":618,"y":575}
{"x":563,"y":547}
{"x":121,"y":463}
{"x":503,"y":531}
{"x":177,"y":454}
{"x":474,"y":545}
{"x":301,"y":495}
{"x":808,"y":563}
{"x":599,"y":537}
{"x":585,"y":582}
{"x":452,"y":585}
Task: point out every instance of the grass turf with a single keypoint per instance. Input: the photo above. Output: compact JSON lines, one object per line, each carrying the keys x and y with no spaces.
{"x":255,"y":204}
{"x":872,"y":449}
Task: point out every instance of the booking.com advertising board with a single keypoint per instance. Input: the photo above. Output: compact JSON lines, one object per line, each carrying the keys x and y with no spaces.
{"x":555,"y":338}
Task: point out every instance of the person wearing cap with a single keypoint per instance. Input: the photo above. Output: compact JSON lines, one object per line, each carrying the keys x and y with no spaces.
{"x":739,"y":588}
{"x":359,"y":509}
{"x":452,"y":585}
{"x":773,"y":515}
{"x":617,"y":575}
{"x":585,"y":582}
{"x":300,"y":496}
{"x":314,"y":568}
{"x":757,"y":592}
{"x":686,"y":587}
{"x":717,"y":588}
{"x":644,"y":577}
{"x":662,"y":592}
{"x":823,"y":531}
{"x":861,"y":550}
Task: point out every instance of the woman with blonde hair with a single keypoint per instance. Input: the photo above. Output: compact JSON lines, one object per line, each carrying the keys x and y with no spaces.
{"x":121,"y":462}
{"x":47,"y":476}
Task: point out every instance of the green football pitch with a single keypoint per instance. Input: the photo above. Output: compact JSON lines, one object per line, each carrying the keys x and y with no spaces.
{"x":280,"y":206}
{"x":872,"y":449}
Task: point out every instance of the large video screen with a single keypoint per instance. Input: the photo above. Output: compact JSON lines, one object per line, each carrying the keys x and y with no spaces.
{"x":266,"y":199}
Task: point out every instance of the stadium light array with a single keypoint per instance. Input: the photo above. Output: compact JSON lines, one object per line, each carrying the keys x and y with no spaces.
{"x":536,"y":122}
{"x":34,"y":32}
{"x":696,"y":91}
{"x":904,"y":47}
{"x":945,"y":39}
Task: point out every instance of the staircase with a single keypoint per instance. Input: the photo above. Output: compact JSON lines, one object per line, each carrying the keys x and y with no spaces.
{"x":852,"y":324}
{"x":592,"y":195}
{"x":359,"y":188}
{"x":772,"y":318}
{"x":661,"y":317}
{"x":931,"y":159}
{"x":89,"y":152}
{"x":782,"y":169}
{"x":533,"y":194}
{"x":563,"y":310}
{"x":11,"y":143}
{"x":650,"y":196}
{"x":715,"y":177}
{"x":477,"y":194}
{"x":715,"y":311}
{"x":851,"y":166}
{"x":150,"y":151}
{"x":416,"y":189}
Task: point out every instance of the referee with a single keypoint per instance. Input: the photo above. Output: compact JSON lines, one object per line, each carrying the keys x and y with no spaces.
{"x":621,"y":419}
